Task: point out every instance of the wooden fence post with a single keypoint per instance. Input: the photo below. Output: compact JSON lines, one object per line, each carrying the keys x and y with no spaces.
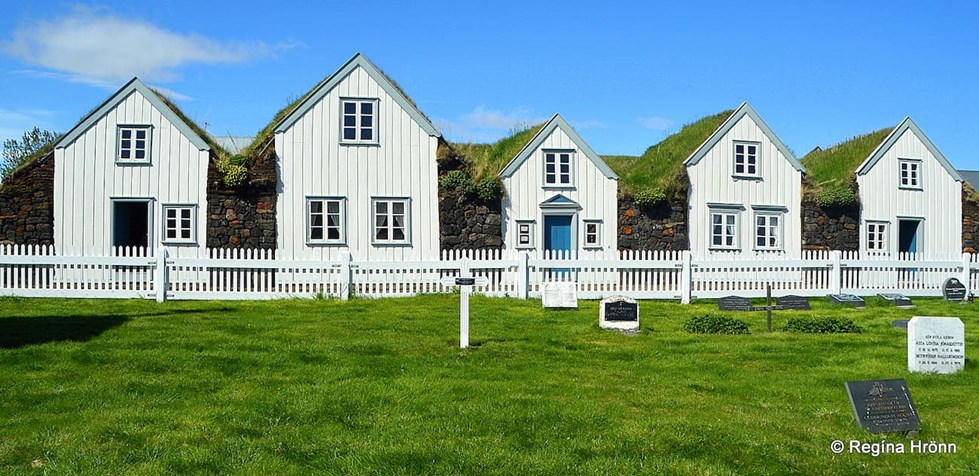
{"x":686,"y":277}
{"x":344,"y":281}
{"x":160,"y":284}
{"x":523,"y":276}
{"x":967,"y":272}
{"x":836,"y":273}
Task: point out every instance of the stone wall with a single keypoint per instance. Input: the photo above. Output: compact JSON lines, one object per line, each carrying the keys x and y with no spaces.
{"x":467,"y":222}
{"x":26,"y":208}
{"x":243,"y":217}
{"x":970,"y":224}
{"x":662,"y":226}
{"x":834,"y":228}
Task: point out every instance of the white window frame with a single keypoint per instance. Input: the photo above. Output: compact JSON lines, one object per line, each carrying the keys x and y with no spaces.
{"x":880,"y":231}
{"x":166,"y":208}
{"x":724,"y":212}
{"x":341,"y":221}
{"x":913,"y":167}
{"x":557,"y":173}
{"x":529,"y":233}
{"x":358,"y":116}
{"x":778,"y":232}
{"x":391,"y":201}
{"x":735,"y":155}
{"x":129,"y":144}
{"x":597,"y":234}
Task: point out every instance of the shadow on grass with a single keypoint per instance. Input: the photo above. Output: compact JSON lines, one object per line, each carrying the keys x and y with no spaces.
{"x":16,"y":332}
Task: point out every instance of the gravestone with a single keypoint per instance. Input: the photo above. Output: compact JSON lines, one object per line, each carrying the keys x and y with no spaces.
{"x":734,"y":303}
{"x":797,"y":303}
{"x":901,"y":323}
{"x":883,"y":406}
{"x":619,"y":312}
{"x":936,"y":345}
{"x":896,"y":299}
{"x":953,"y":290}
{"x":559,"y":294}
{"x":851,"y":300}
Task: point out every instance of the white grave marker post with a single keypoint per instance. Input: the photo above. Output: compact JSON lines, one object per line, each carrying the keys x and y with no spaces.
{"x":936,"y":345}
{"x":465,"y":288}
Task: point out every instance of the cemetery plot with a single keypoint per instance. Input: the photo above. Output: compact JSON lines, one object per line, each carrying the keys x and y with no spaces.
{"x":619,"y":312}
{"x":559,"y":294}
{"x":883,"y":406}
{"x":896,"y":299}
{"x":953,"y":290}
{"x":738,"y":303}
{"x":850,"y":300}
{"x":795,"y":303}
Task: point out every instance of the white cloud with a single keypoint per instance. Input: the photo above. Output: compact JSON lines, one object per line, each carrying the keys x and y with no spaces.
{"x":95,"y":46}
{"x":655,"y":123}
{"x":589,"y":124}
{"x":487,"y":125}
{"x":13,"y":124}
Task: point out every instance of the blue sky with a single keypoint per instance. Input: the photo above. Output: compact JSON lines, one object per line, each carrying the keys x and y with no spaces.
{"x":626,"y":74}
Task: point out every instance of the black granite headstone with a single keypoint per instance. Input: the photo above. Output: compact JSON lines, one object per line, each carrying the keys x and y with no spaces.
{"x":734,"y":303}
{"x":621,"y":311}
{"x":797,"y":303}
{"x":953,"y":290}
{"x":883,"y":406}
{"x":847,"y":300}
{"x":896,"y":299}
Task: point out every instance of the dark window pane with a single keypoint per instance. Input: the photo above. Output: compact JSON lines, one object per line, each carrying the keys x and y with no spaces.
{"x":717,"y":240}
{"x":549,"y":168}
{"x":141,"y":133}
{"x":739,"y":168}
{"x":738,"y":148}
{"x":349,"y":133}
{"x":367,"y":121}
{"x":382,"y":234}
{"x":126,"y":144}
{"x":366,"y":134}
{"x":349,"y":121}
{"x":140,"y":154}
{"x":185,"y":234}
{"x":316,"y":207}
{"x":316,"y":220}
{"x":752,"y":150}
{"x":761,"y":241}
{"x":565,"y":158}
{"x":333,"y":233}
{"x":565,"y":168}
{"x":316,"y":233}
{"x":399,"y":234}
{"x":565,"y":179}
{"x":349,"y":108}
{"x":126,"y":133}
{"x":185,"y":224}
{"x":398,"y":208}
{"x":171,"y":234}
{"x":367,"y":108}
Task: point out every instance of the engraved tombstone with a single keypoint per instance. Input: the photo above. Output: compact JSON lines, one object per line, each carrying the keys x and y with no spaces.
{"x":734,"y":303}
{"x":559,"y":294}
{"x":851,"y":300}
{"x":883,"y":406}
{"x":797,"y":303}
{"x":619,"y":312}
{"x":936,"y":345}
{"x":896,"y":299}
{"x":953,"y":290}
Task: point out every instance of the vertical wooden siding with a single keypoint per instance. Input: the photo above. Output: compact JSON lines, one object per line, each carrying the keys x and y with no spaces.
{"x":312,"y":163}
{"x":596,"y":193}
{"x":711,"y":182}
{"x":86,"y":178}
{"x":939,"y":201}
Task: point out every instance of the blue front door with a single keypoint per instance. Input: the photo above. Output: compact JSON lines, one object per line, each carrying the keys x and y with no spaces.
{"x":557,"y":233}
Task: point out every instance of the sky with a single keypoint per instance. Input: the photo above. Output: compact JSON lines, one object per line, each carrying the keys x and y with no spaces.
{"x":625,"y":74}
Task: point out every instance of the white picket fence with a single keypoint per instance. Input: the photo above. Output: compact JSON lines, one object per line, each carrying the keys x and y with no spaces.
{"x":39,"y":271}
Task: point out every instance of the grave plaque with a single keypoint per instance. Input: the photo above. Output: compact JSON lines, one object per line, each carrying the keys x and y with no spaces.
{"x":896,"y":299}
{"x":936,"y":345}
{"x":883,"y":406}
{"x":851,"y":300}
{"x":559,"y":294}
{"x":734,"y":303}
{"x":953,"y":290}
{"x":901,"y":323}
{"x":797,"y":303}
{"x":619,"y":312}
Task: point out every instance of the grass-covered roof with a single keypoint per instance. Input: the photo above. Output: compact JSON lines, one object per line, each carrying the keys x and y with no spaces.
{"x":487,"y":160}
{"x":661,"y":166}
{"x":213,"y":144}
{"x":837,"y":165}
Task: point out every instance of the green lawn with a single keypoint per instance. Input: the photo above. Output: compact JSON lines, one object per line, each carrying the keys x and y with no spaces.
{"x":380,"y":387}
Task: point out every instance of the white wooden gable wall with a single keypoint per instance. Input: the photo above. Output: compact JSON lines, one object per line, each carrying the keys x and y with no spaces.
{"x":938,"y":203}
{"x":312,"y":163}
{"x":87,"y":178}
{"x":595,"y":192}
{"x":712,"y":182}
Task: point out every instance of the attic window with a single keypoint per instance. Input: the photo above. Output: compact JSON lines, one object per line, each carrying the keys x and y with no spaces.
{"x":746,"y":158}
{"x":359,"y":121}
{"x":133,"y":144}
{"x":910,"y":173}
{"x":557,"y":168}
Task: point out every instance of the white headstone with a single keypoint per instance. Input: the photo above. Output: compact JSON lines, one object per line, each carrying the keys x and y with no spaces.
{"x":619,"y":312}
{"x":559,"y":294}
{"x":936,"y":345}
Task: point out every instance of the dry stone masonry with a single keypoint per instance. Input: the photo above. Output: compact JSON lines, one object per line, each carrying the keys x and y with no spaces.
{"x":469,"y":223}
{"x":26,"y":212}
{"x":243,"y":217}
{"x":661,"y":226}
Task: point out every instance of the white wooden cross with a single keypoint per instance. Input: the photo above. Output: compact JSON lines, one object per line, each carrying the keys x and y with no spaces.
{"x":465,"y":287}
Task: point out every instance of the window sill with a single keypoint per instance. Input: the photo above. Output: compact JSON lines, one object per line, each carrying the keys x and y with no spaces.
{"x":134,"y":163}
{"x":326,"y":243}
{"x":912,"y":189}
{"x":723,"y":249}
{"x":558,"y":187}
{"x":768,"y":250}
{"x":523,"y":247}
{"x":593,"y":247}
{"x":179,"y":243}
{"x":754,"y":178}
{"x":389,"y":244}
{"x":365,"y":144}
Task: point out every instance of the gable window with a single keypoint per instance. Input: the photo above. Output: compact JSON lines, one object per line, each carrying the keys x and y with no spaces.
{"x":768,"y":231}
{"x":557,"y":168}
{"x":724,"y":229}
{"x":593,"y":233}
{"x":525,"y":234}
{"x":359,"y":121}
{"x":391,"y":221}
{"x":326,"y":220}
{"x":910,"y":173}
{"x":876,"y":236}
{"x":746,"y":158}
{"x":179,"y":224}
{"x":133,"y":144}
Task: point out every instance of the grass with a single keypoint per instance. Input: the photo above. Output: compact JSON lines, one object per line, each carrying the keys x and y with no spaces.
{"x":488,"y":160}
{"x":661,"y":166}
{"x":380,"y":387}
{"x":837,"y":165}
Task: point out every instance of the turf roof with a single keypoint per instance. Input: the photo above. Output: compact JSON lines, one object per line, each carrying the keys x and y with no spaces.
{"x":837,"y":165}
